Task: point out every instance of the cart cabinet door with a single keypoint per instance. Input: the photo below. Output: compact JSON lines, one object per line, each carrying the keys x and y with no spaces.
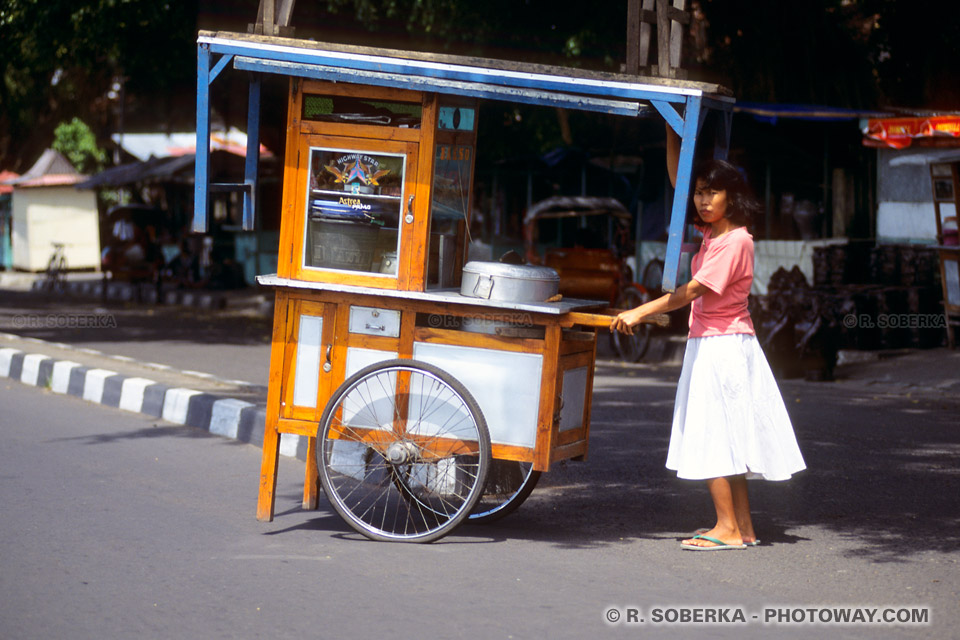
{"x":355,"y":215}
{"x":307,"y":367}
{"x":505,"y":384}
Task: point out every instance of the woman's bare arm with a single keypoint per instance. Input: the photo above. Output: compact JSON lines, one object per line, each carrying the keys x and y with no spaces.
{"x":625,"y":321}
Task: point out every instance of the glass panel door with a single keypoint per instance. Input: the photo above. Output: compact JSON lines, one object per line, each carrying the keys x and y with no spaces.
{"x":355,"y":205}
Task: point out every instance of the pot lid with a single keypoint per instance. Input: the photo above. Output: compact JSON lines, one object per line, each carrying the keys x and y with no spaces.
{"x":516,"y":271}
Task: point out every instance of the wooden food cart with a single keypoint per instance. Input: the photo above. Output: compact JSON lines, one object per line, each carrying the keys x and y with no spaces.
{"x":423,"y":406}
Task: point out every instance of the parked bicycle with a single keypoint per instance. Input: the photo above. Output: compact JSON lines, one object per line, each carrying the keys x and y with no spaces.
{"x":56,"y":273}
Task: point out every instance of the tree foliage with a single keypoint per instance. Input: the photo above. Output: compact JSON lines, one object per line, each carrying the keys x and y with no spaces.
{"x":76,"y":141}
{"x":61,"y":59}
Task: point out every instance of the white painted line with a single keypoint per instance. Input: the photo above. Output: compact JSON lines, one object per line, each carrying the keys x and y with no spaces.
{"x":30,"y":372}
{"x":225,"y":418}
{"x":60,"y":381}
{"x":6,"y":356}
{"x":288,"y":444}
{"x":131,"y":393}
{"x":199,"y":374}
{"x":123,"y":358}
{"x":92,"y":352}
{"x":93,"y":384}
{"x":175,"y":404}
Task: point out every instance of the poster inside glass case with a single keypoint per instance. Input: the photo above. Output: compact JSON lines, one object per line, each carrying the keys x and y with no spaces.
{"x":354,"y":207}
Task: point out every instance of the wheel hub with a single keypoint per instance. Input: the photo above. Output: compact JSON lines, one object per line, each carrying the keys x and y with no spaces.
{"x":400,"y":453}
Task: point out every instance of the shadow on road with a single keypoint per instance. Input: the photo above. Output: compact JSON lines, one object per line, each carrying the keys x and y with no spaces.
{"x":59,"y":319}
{"x":883,"y":475}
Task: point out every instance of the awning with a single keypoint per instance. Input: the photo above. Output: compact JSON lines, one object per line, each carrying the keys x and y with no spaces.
{"x":771,"y":112}
{"x":900,"y":133}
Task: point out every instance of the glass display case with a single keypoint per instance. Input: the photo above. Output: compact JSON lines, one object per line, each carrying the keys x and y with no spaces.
{"x":354,"y":209}
{"x":361,"y":212}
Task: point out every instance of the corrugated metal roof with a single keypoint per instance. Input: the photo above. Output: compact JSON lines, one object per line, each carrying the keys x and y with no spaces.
{"x":7,"y":176}
{"x":51,"y":169}
{"x":449,"y":73}
{"x":144,"y":146}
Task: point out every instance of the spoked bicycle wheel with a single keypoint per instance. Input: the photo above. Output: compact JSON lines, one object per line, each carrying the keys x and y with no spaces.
{"x":403,"y":451}
{"x":631,"y":348}
{"x":55,"y":274}
{"x":508,"y":484}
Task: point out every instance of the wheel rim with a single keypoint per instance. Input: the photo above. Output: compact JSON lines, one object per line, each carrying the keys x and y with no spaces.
{"x":403,"y":452}
{"x":632,"y":348}
{"x":508,"y":484}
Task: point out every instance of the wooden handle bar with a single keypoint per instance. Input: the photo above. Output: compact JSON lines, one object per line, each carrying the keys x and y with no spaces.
{"x":603,"y":319}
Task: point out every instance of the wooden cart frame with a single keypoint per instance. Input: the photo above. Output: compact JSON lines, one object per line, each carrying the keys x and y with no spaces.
{"x":330,"y":322}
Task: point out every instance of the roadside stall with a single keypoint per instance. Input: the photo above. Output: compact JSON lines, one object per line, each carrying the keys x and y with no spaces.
{"x":945,"y":178}
{"x":430,"y":390}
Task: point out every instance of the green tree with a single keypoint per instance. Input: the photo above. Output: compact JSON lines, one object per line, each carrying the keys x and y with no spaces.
{"x":60,"y":59}
{"x":76,"y":141}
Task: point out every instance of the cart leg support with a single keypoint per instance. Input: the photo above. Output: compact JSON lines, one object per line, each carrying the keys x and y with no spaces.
{"x":268,"y":470}
{"x":311,"y":481}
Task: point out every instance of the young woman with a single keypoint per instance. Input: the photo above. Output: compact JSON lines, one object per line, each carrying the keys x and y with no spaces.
{"x":729,"y":422}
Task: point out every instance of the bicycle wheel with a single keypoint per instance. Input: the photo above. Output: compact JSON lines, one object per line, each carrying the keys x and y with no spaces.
{"x":55,"y":273}
{"x":631,"y":348}
{"x":403,"y":451}
{"x":652,"y":279}
{"x":61,"y":274}
{"x":508,"y":484}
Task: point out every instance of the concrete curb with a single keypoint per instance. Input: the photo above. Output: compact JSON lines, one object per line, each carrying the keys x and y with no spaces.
{"x":220,"y":415}
{"x":144,"y":293}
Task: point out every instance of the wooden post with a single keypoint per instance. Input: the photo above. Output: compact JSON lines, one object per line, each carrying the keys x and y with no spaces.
{"x":273,"y":18}
{"x":670,"y":18}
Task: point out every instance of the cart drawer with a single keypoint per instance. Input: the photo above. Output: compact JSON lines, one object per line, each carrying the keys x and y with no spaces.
{"x":375,"y":322}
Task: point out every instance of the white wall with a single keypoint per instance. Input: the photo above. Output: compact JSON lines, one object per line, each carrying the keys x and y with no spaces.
{"x":43,"y":215}
{"x":909,"y":221}
{"x":905,"y":212}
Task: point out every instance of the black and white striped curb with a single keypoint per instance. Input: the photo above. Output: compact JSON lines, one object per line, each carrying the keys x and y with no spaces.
{"x":139,"y":292}
{"x":223,"y":416}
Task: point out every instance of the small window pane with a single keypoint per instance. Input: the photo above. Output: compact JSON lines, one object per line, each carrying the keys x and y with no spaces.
{"x":354,"y":207}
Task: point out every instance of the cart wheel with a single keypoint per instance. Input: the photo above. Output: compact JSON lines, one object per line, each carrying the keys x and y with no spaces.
{"x":403,"y":451}
{"x":631,"y":348}
{"x":508,"y":484}
{"x":652,"y":279}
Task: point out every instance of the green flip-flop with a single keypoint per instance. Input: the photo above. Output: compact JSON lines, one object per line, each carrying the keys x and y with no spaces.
{"x":698,"y":532}
{"x":719,"y":545}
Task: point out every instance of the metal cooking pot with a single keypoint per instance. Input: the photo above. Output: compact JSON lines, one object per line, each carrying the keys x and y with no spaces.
{"x":509,"y":282}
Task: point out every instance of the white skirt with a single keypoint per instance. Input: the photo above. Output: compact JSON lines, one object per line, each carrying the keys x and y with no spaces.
{"x":729,"y":417}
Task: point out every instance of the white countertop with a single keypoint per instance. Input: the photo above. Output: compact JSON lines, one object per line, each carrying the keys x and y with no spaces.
{"x":451,"y":296}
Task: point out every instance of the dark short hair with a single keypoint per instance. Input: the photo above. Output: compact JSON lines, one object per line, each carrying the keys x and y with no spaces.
{"x":742,"y":206}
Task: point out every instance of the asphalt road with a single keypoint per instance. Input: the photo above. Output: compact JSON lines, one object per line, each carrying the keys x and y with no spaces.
{"x":185,"y":338}
{"x":119,"y":526}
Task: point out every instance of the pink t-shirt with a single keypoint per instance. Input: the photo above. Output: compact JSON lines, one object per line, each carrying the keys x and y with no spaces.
{"x":723,"y":265}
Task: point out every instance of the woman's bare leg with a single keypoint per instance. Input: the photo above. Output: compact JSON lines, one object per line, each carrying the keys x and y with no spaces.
{"x":726,"y":529}
{"x":741,"y":507}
